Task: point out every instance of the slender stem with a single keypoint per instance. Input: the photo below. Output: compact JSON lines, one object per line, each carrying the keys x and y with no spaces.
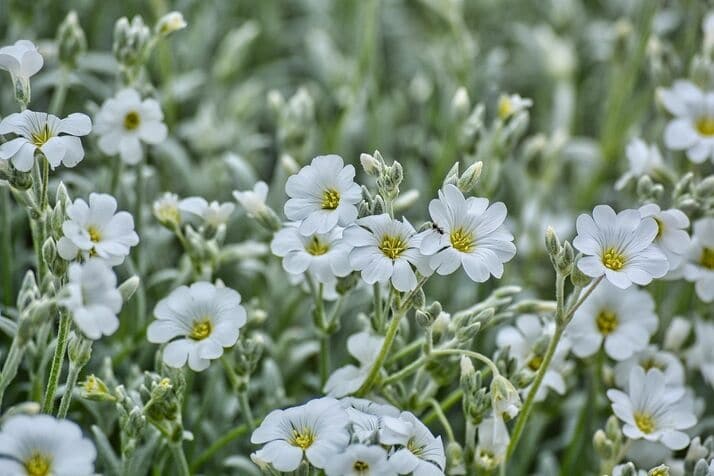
{"x":452,"y":399}
{"x":180,"y":458}
{"x":245,"y":409}
{"x":217,"y":445}
{"x":470,"y":443}
{"x":57,"y":361}
{"x":386,"y":346}
{"x":469,"y":353}
{"x":138,"y":216}
{"x":7,"y":249}
{"x":378,"y":315}
{"x":324,"y":334}
{"x":72,"y":377}
{"x":60,"y":93}
{"x":240,"y":386}
{"x":12,"y":362}
{"x":406,"y":350}
{"x":404,"y":372}
{"x":442,"y":419}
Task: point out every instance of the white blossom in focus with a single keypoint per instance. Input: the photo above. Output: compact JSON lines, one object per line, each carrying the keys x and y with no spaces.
{"x":21,"y":60}
{"x":360,"y":460}
{"x":418,"y":451}
{"x":672,"y":238}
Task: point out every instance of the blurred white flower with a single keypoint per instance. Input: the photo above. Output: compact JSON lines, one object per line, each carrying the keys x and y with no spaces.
{"x":505,"y":400}
{"x":419,"y":452}
{"x":701,"y":354}
{"x":672,"y":238}
{"x":166,"y":209}
{"x":652,"y":410}
{"x":253,"y":201}
{"x":360,"y":460}
{"x":677,"y":333}
{"x":169,"y":23}
{"x":651,"y":357}
{"x":508,"y":105}
{"x":21,"y":60}
{"x":643,"y":159}
{"x":699,"y":267}
{"x":39,"y":130}
{"x":493,"y":440}
{"x":623,"y":319}
{"x":125,"y":121}
{"x":197,"y":322}
{"x":41,"y":445}
{"x":325,"y":256}
{"x":619,"y":246}
{"x":93,"y":298}
{"x":317,"y":430}
{"x":384,"y":250}
{"x":323,"y":195}
{"x":364,"y":347}
{"x":95,"y":230}
{"x":213,"y":213}
{"x":468,"y":233}
{"x":692,"y":128}
{"x":523,"y":342}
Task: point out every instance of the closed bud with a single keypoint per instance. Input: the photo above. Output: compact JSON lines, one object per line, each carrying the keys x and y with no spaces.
{"x":701,"y":468}
{"x":452,"y":176}
{"x":49,"y":251}
{"x":434,"y":309}
{"x":129,"y":287}
{"x":696,"y":450}
{"x":467,"y":333}
{"x":467,"y":182}
{"x":628,"y":469}
{"x":612,"y":429}
{"x":57,"y":219}
{"x":79,"y":350}
{"x":423,"y":319}
{"x":682,"y":186}
{"x":29,"y":291}
{"x":62,"y":196}
{"x":378,"y":206}
{"x":677,"y":333}
{"x":94,"y":388}
{"x":170,"y":23}
{"x":396,"y":174}
{"x":705,"y":188}
{"x":552,"y":243}
{"x":371,"y":166}
{"x":460,"y":104}
{"x":602,"y":445}
{"x":644,"y":186}
{"x":418,"y":299}
{"x":130,"y":41}
{"x":70,"y":40}
{"x":564,"y":261}
{"x":363,"y":209}
{"x":505,"y":400}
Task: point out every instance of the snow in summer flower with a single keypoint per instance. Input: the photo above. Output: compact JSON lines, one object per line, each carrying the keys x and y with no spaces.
{"x":651,"y":358}
{"x":57,"y":139}
{"x":672,"y":238}
{"x":692,"y":127}
{"x":643,"y":159}
{"x":97,"y":230}
{"x":701,"y":354}
{"x":493,"y":439}
{"x":42,"y":445}
{"x":699,"y":267}
{"x":619,"y":246}
{"x":125,"y":121}
{"x":623,"y":319}
{"x":364,"y":347}
{"x":212,"y":213}
{"x":418,"y":451}
{"x":196,"y":323}
{"x":21,"y":60}
{"x":360,"y":460}
{"x":323,"y":195}
{"x":253,"y":201}
{"x":469,"y":233}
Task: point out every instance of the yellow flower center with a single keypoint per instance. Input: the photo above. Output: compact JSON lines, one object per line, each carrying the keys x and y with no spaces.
{"x":392,"y":246}
{"x":94,"y":234}
{"x":707,"y":259}
{"x":303,"y":438}
{"x":644,"y":422}
{"x":90,"y":385}
{"x":535,"y":362}
{"x":660,"y":228}
{"x":330,"y":199}
{"x":462,"y":240}
{"x":201,"y":329}
{"x":613,"y":259}
{"x":38,"y":464}
{"x":606,"y":322}
{"x":132,"y":120}
{"x":662,"y":471}
{"x":39,"y":138}
{"x":360,"y":466}
{"x":505,"y":107}
{"x":705,"y":126}
{"x":487,"y":459}
{"x":651,"y":363}
{"x":414,"y":447}
{"x":316,"y":247}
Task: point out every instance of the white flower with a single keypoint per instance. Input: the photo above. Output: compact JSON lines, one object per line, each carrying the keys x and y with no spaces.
{"x":692,"y":128}
{"x":197,"y":322}
{"x":21,"y":60}
{"x":39,"y":130}
{"x":323,"y":195}
{"x":96,"y":230}
{"x":643,"y":159}
{"x":619,"y":246}
{"x":41,"y":445}
{"x":420,"y":453}
{"x":467,"y":232}
{"x":213,"y":214}
{"x":169,"y":23}
{"x":623,"y":319}
{"x":317,"y":430}
{"x":524,"y":340}
{"x":651,"y":358}
{"x":699,"y":267}
{"x":652,"y":410}
{"x":383,"y":250}
{"x":493,"y":440}
{"x":366,"y":416}
{"x":364,"y":347}
{"x":672,"y":238}
{"x":701,"y":354}
{"x":93,"y":298}
{"x":360,"y":460}
{"x":253,"y":201}
{"x":509,"y":105}
{"x":505,"y":400}
{"x":324,"y":255}
{"x":166,"y":209}
{"x":125,"y":121}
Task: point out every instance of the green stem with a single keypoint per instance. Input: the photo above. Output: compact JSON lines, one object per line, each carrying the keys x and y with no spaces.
{"x":469,"y":353}
{"x":217,"y":445}
{"x":245,"y":409}
{"x":442,"y":418}
{"x":60,"y":93}
{"x":57,"y":361}
{"x":72,"y":377}
{"x":180,"y":458}
{"x":470,"y":443}
{"x":452,"y":399}
{"x":12,"y":362}
{"x":7,"y":249}
{"x":240,"y":386}
{"x":386,"y":346}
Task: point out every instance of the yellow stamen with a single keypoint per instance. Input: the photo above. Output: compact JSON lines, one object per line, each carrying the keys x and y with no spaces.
{"x":414,"y":447}
{"x":613,"y":259}
{"x":651,"y":363}
{"x":303,"y":438}
{"x":707,"y":259}
{"x":644,"y":422}
{"x":94,"y":234}
{"x":705,"y":126}
{"x":201,"y":329}
{"x":316,"y":247}
{"x":392,"y":246}
{"x":330,"y":199}
{"x":462,"y":240}
{"x":39,"y":138}
{"x":38,"y":464}
{"x":660,"y":228}
{"x":132,"y":120}
{"x":606,"y":322}
{"x":360,"y":466}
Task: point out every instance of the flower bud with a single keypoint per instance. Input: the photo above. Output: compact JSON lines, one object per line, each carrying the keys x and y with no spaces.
{"x":378,"y":206}
{"x":79,"y":350}
{"x":468,"y":180}
{"x":93,"y":388}
{"x":705,"y":188}
{"x":564,"y":260}
{"x":423,"y":318}
{"x":628,"y":469}
{"x":130,"y":41}
{"x":612,"y":429}
{"x":452,"y":176}
{"x":677,"y":333}
{"x":70,"y":40}
{"x":701,"y":468}
{"x":170,"y":23}
{"x":371,"y":165}
{"x":467,"y":333}
{"x":129,"y":287}
{"x":602,"y":445}
{"x":552,"y":243}
{"x":460,"y":103}
{"x":49,"y":251}
{"x":505,"y":400}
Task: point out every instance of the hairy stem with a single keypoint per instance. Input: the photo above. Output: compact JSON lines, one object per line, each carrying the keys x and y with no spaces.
{"x":57,"y":361}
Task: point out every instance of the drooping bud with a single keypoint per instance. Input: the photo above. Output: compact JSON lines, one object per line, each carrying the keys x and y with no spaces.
{"x":70,"y":40}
